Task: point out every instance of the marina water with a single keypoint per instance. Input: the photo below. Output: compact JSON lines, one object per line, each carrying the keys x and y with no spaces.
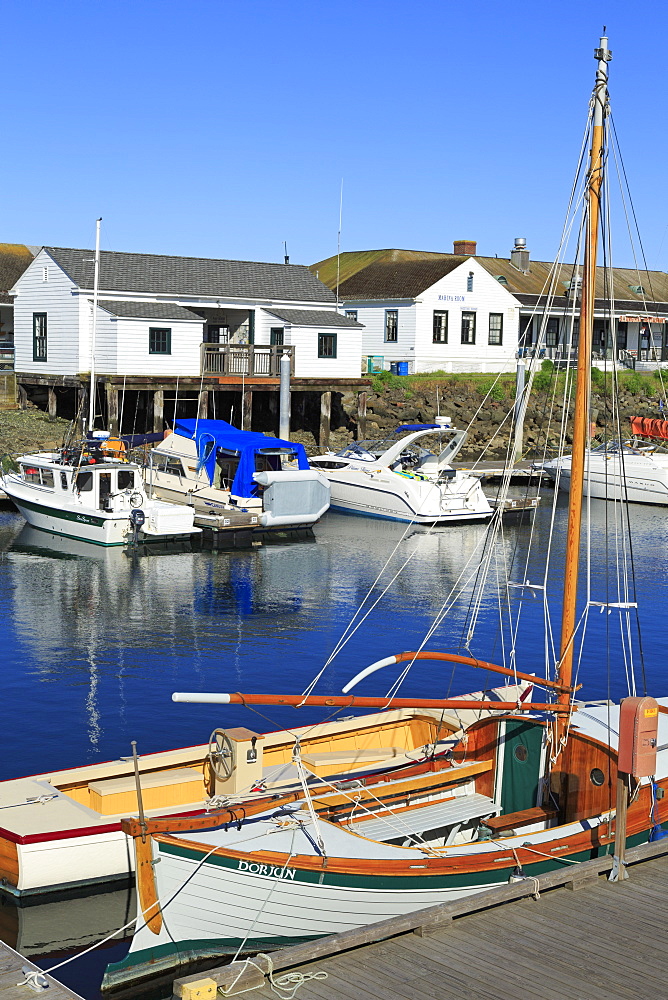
{"x":95,"y":641}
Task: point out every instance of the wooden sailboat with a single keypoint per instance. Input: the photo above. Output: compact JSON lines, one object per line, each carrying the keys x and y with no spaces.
{"x":549,"y":786}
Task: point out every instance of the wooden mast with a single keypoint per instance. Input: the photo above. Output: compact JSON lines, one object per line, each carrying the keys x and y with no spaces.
{"x":581,"y":420}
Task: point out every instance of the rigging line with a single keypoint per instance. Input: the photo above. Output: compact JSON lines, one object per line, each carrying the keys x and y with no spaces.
{"x":619,"y":537}
{"x":449,"y":602}
{"x":158,"y":906}
{"x":625,"y":189}
{"x":627,"y":532}
{"x":275,"y":882}
{"x":405,"y":832}
{"x":617,"y":152}
{"x":351,"y":628}
{"x":120,"y":419}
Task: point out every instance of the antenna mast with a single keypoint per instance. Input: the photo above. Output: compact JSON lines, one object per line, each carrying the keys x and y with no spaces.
{"x":96,"y":292}
{"x":338,"y":247}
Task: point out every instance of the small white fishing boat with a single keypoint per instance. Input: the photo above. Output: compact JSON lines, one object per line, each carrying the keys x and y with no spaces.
{"x":220,"y":470}
{"x":397,"y":479}
{"x":85,"y":494}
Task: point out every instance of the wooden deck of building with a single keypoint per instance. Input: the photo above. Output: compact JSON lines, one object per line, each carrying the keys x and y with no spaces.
{"x":11,"y":975}
{"x":602,"y":942}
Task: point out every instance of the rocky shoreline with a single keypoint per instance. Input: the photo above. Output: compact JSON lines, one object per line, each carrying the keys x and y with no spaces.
{"x":485,"y":408}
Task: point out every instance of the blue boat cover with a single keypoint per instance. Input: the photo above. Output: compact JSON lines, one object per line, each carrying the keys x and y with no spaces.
{"x":247,"y":444}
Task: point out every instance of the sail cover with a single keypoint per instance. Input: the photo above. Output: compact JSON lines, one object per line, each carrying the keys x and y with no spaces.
{"x":212,"y":435}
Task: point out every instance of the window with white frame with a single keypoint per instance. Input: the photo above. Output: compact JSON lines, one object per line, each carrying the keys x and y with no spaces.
{"x":468,"y":328}
{"x":440,"y":327}
{"x":495,"y":329}
{"x":469,"y":282}
{"x":351,"y":314}
{"x":391,"y":326}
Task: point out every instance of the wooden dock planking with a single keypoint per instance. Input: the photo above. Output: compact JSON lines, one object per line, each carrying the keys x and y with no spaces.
{"x":601,"y":943}
{"x":11,"y":964}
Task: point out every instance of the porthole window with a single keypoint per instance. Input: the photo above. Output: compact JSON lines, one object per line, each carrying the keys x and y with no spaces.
{"x":596,"y":776}
{"x":520,"y":753}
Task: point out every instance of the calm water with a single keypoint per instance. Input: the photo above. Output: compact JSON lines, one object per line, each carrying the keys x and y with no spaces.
{"x":93,"y":644}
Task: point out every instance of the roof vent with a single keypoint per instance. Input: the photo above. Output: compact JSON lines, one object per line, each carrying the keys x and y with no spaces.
{"x":464,"y":248}
{"x":638,"y":289}
{"x":501,"y":278}
{"x":519,"y":257}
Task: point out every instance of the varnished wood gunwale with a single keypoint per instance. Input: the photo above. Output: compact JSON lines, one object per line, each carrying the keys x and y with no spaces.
{"x":432,"y":774}
{"x":563,"y":845}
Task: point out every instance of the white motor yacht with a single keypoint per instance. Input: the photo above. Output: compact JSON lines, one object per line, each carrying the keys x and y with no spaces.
{"x":82,"y":493}
{"x":399,"y":480}
{"x":618,"y":472}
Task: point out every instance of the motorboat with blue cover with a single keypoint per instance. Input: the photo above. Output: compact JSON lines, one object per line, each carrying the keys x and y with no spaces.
{"x":218,"y":469}
{"x":398,"y":479}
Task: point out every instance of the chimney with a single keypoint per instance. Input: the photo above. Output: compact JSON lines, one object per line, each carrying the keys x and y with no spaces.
{"x":519,"y":257}
{"x":464,"y":248}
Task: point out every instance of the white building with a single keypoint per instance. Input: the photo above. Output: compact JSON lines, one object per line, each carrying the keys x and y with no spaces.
{"x":156,"y":312}
{"x":395,"y":293}
{"x":445,"y":315}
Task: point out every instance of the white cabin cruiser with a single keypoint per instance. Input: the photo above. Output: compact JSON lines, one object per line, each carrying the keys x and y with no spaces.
{"x":218,"y":469}
{"x":396,"y":478}
{"x":82,"y":493}
{"x":635,"y":471}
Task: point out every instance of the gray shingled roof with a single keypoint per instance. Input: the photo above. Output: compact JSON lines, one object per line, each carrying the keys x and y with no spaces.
{"x":314,"y":317}
{"x":148,"y":310}
{"x":158,"y":275}
{"x":396,"y":279}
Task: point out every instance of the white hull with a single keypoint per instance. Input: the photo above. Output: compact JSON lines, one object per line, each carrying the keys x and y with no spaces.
{"x":642,"y":479}
{"x":93,"y":503}
{"x":74,"y":524}
{"x":387,"y":494}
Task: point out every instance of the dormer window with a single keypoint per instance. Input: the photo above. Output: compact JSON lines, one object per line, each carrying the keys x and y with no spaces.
{"x":469,"y":282}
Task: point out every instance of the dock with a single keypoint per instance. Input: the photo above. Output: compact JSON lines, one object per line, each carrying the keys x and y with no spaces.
{"x":12,"y":973}
{"x":582,"y":937}
{"x":492,"y":471}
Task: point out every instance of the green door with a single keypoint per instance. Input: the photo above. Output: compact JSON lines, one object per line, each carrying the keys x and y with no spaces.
{"x":521,"y":765}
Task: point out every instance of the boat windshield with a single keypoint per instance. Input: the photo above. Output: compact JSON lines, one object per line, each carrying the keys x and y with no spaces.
{"x":370,"y":451}
{"x":614,"y":448}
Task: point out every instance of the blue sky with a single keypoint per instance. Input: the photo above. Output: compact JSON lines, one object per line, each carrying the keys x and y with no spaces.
{"x":220,"y":129}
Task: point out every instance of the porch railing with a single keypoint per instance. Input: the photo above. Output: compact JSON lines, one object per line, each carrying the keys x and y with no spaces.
{"x":250,"y":360}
